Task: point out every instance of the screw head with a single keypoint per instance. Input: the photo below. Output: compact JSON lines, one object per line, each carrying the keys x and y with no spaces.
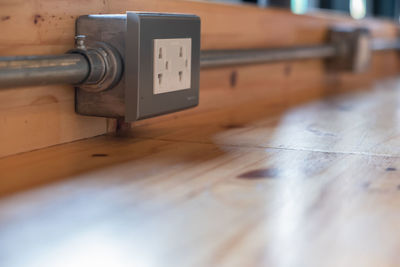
{"x":80,"y":42}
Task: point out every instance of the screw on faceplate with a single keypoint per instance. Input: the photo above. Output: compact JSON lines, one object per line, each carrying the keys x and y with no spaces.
{"x":80,"y":42}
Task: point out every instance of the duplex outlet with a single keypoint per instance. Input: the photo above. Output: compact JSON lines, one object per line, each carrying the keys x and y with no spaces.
{"x":172,"y":65}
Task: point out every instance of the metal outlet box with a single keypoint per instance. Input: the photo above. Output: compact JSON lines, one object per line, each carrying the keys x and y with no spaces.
{"x":354,"y":49}
{"x":132,"y":35}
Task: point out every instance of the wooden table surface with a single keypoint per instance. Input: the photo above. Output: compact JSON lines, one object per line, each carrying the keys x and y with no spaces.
{"x":251,"y":185}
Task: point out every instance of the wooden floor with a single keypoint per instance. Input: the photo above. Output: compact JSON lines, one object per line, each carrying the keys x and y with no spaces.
{"x":316,"y":185}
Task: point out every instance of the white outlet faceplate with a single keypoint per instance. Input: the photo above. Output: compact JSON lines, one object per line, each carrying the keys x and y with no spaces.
{"x":172,"y":65}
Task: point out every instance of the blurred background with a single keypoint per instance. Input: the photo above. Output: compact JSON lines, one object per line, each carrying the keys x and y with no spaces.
{"x":358,"y":9}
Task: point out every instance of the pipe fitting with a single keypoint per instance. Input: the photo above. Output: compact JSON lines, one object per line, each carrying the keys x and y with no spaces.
{"x":105,"y":64}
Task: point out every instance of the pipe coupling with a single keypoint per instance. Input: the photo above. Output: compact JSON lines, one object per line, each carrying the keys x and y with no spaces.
{"x":105,"y":64}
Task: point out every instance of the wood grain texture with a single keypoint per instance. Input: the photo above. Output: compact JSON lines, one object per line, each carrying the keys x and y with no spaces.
{"x":37,"y":117}
{"x":251,"y":185}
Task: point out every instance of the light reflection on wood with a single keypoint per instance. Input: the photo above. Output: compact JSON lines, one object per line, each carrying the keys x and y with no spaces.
{"x":316,"y":185}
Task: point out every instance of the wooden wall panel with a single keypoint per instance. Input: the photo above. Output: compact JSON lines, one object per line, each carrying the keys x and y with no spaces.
{"x":36,"y":117}
{"x":32,"y":118}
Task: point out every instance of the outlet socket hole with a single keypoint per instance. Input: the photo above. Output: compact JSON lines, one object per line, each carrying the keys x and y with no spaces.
{"x":166,"y":65}
{"x":186,"y":63}
{"x":159,"y":78}
{"x":160,"y":53}
{"x":180,"y":76}
{"x":181,"y":51}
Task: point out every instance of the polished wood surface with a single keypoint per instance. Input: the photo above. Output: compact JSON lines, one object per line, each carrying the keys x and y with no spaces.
{"x":37,"y":117}
{"x":253,"y":184}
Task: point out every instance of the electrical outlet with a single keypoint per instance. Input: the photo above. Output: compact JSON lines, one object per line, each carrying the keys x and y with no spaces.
{"x":172,"y":65}
{"x":161,"y":57}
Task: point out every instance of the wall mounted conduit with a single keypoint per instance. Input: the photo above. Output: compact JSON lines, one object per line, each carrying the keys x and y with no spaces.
{"x":99,"y":67}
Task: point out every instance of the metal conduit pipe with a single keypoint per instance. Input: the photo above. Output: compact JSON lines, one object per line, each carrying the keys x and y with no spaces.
{"x":217,"y":58}
{"x":43,"y":70}
{"x":94,"y":68}
{"x":102,"y":65}
{"x":384,"y":45}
